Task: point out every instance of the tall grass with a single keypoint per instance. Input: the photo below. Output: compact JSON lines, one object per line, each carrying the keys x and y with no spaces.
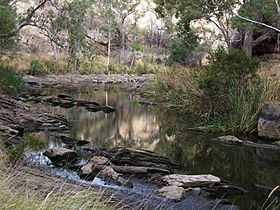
{"x":245,"y":104}
{"x":179,"y":88}
{"x":32,"y":190}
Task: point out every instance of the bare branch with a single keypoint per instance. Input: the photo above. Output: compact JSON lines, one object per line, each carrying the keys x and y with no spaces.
{"x":256,"y":22}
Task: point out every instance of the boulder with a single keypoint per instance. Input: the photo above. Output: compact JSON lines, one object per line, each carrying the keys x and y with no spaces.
{"x":230,"y":140}
{"x":269,"y":121}
{"x":109,"y":175}
{"x":61,"y":155}
{"x":191,"y":180}
{"x":93,"y":167}
{"x":99,"y":160}
{"x":172,"y":192}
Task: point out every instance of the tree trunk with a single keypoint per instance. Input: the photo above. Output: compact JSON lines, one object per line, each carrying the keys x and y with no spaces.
{"x":109,"y":50}
{"x":248,"y":42}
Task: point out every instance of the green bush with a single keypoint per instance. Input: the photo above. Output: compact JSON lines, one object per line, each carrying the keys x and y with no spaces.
{"x":10,"y":81}
{"x":182,"y":48}
{"x":226,"y":69}
{"x":36,"y":68}
{"x":137,"y":47}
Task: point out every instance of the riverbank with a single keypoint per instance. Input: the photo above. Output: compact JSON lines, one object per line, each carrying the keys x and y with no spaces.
{"x":83,"y":82}
{"x":140,"y":174}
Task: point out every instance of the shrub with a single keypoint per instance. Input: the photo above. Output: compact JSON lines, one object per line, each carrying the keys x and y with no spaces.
{"x":182,"y":48}
{"x":36,"y":68}
{"x":10,"y":81}
{"x":226,"y":69}
{"x":225,"y":96}
{"x":137,"y":47}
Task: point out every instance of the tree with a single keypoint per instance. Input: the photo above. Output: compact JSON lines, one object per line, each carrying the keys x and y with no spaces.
{"x":257,"y":22}
{"x":11,"y":23}
{"x":7,"y":24}
{"x":217,"y":12}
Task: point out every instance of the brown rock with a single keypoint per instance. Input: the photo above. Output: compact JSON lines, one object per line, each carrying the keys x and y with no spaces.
{"x":191,"y":180}
{"x":269,"y":121}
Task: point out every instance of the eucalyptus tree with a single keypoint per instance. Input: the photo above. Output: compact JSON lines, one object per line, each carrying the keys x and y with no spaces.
{"x":217,"y":12}
{"x":11,"y":23}
{"x":258,"y":21}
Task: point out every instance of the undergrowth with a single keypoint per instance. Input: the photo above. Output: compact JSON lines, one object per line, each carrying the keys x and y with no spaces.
{"x":11,"y":82}
{"x":225,"y":96}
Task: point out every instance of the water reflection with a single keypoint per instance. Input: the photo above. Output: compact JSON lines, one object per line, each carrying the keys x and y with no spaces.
{"x":139,"y":126}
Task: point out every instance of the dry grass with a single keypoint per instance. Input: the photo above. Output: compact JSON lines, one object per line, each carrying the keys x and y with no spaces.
{"x":27,"y":187}
{"x":60,"y":65}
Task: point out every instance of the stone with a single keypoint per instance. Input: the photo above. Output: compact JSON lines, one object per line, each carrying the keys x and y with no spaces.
{"x":172,"y":192}
{"x":105,"y":109}
{"x":110,"y":175}
{"x":99,"y":160}
{"x":277,"y":143}
{"x":68,"y":140}
{"x":269,"y":121}
{"x":191,"y":180}
{"x":59,"y":154}
{"x":93,"y":167}
{"x":230,"y":140}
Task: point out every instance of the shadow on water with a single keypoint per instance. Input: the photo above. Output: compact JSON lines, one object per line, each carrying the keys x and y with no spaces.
{"x":151,"y":128}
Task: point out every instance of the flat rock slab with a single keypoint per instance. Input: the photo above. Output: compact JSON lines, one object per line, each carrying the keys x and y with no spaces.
{"x":191,"y":180}
{"x":60,"y":154}
{"x":230,"y":140}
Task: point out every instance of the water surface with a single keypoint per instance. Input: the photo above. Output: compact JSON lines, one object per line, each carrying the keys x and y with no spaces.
{"x":146,"y":127}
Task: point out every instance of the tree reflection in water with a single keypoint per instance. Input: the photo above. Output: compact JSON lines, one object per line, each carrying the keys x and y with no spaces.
{"x":166,"y":133}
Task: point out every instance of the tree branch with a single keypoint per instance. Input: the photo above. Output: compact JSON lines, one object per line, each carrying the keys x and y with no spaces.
{"x":256,"y":22}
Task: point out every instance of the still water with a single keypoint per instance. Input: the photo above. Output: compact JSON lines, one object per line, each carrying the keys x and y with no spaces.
{"x":152,"y":128}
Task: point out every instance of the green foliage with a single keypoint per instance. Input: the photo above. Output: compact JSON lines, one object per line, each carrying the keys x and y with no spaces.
{"x":256,"y":10}
{"x":10,"y":81}
{"x":36,"y":68}
{"x":29,"y":141}
{"x":182,"y":48}
{"x":226,"y":69}
{"x":225,"y":96}
{"x":138,"y":47}
{"x":7,"y":25}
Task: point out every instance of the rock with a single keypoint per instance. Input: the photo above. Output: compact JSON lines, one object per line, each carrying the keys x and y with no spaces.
{"x":139,"y":170}
{"x":110,"y":175}
{"x":230,"y":140}
{"x":68,"y":140}
{"x":64,"y":96}
{"x":93,"y":167}
{"x":59,"y":154}
{"x":99,"y":160}
{"x":136,"y":157}
{"x":172,"y":192}
{"x":269,"y":121}
{"x":105,"y":109}
{"x":66,"y":104}
{"x":191,"y":180}
{"x":85,"y":103}
{"x":87,"y":171}
{"x":277,"y":143}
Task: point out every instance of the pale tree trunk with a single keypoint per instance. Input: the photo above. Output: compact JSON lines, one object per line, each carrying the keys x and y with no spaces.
{"x":248,"y":42}
{"x":109,"y":50}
